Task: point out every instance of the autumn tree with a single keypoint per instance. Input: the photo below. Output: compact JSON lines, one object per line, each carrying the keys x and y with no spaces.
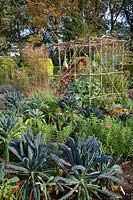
{"x":47,"y":16}
{"x":47,"y":21}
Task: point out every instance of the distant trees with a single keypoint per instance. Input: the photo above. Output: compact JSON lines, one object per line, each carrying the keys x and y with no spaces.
{"x":47,"y":16}
{"x":87,"y":21}
{"x":12,"y":24}
{"x":128,"y":11}
{"x":45,"y":21}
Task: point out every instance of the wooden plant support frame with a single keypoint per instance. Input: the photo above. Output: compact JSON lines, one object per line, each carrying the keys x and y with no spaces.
{"x":104,"y":48}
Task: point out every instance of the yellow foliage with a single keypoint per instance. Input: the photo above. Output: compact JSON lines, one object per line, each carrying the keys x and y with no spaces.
{"x":116,"y":188}
{"x":42,"y":11}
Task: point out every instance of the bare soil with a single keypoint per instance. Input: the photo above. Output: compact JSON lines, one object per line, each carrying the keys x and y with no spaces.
{"x":127,"y":168}
{"x":130,"y":92}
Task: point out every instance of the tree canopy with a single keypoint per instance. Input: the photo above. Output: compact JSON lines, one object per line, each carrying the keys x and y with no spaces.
{"x":47,"y":21}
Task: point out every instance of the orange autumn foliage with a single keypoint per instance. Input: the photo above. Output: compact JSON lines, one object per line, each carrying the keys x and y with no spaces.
{"x":42,"y":11}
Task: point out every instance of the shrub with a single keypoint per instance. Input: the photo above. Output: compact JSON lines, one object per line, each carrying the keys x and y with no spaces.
{"x":114,"y":136}
{"x":40,"y":67}
{"x":7,"y":70}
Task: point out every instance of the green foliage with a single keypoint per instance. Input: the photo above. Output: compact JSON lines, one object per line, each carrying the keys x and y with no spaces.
{"x":15,"y":102}
{"x":22,"y":80}
{"x":130,"y":83}
{"x":50,"y":107}
{"x":50,"y":67}
{"x":7,"y":70}
{"x":109,"y":132}
{"x":34,"y":120}
{"x":42,"y":113}
{"x":6,"y":188}
{"x":7,"y":63}
{"x":129,"y":63}
{"x":85,"y":169}
{"x":33,"y":164}
{"x":12,"y":20}
{"x":35,"y":101}
{"x":34,"y":113}
{"x":106,"y":102}
{"x":75,"y":26}
{"x":69,"y":74}
{"x":10,"y":128}
{"x":87,"y":111}
{"x":50,"y":132}
{"x":58,"y":119}
{"x":56,"y":134}
{"x":119,"y":81}
{"x":45,"y":102}
{"x":39,"y":66}
{"x":81,"y":88}
{"x":68,"y":103}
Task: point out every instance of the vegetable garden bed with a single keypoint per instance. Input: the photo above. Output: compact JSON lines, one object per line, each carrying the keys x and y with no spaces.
{"x":80,"y":168}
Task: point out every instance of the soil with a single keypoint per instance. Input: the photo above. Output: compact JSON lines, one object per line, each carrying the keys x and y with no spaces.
{"x":127,"y":169}
{"x":130,"y":92}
